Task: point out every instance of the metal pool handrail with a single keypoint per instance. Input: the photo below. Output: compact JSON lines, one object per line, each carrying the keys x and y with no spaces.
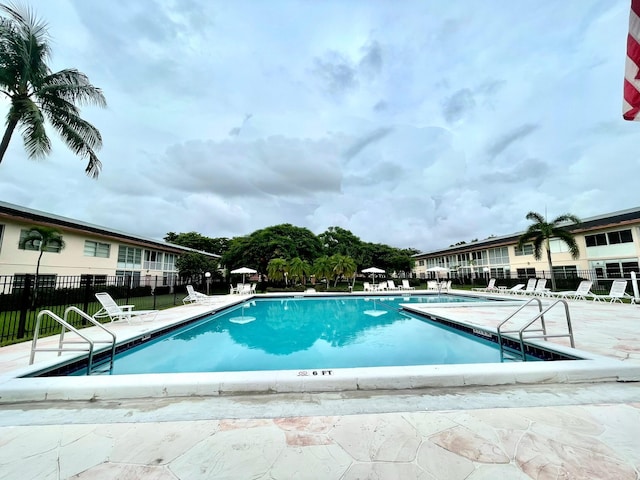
{"x":540,"y":316}
{"x":67,"y":326}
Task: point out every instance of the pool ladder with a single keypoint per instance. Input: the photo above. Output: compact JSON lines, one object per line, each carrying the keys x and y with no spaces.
{"x":89,"y":344}
{"x":525,"y":332}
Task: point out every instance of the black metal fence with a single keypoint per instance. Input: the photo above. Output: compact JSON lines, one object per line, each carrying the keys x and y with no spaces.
{"x":21,"y":299}
{"x":565,"y":281}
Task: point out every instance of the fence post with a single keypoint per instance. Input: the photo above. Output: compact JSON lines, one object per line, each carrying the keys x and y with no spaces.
{"x":87,"y":292}
{"x":155,"y":285}
{"x":24,"y":305}
{"x":128,"y":286}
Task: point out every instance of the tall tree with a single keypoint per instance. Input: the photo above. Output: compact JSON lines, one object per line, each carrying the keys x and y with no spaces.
{"x":299,"y":269}
{"x":342,"y":265}
{"x":277,"y":269}
{"x":42,"y":239}
{"x":198,"y":242}
{"x":279,"y":241}
{"x":541,"y":232}
{"x":194,"y":265}
{"x":322,"y":268}
{"x":36,"y":94}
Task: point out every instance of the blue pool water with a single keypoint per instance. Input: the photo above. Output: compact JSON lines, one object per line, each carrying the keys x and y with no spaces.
{"x":309,"y":333}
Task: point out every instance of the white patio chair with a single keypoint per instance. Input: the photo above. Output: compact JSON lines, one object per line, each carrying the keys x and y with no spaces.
{"x":391,"y":285}
{"x":192,"y":295}
{"x":110,"y":309}
{"x":529,"y":289}
{"x":406,"y":286}
{"x":541,"y":289}
{"x":491,"y":287}
{"x":581,"y":293}
{"x":515,"y":289}
{"x":616,"y":294}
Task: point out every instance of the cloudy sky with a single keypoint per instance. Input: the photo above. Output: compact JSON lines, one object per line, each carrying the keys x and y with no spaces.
{"x":415,"y":123}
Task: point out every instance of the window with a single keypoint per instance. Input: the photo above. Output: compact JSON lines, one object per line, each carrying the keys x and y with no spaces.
{"x":93,"y":280}
{"x":169,"y":262}
{"x":620,"y":269}
{"x":1,"y":232}
{"x":526,"y":273}
{"x":44,"y":281}
{"x":54,"y":247}
{"x":565,"y":271}
{"x":129,"y":258}
{"x":169,"y":278}
{"x":622,"y":236}
{"x":500,"y":272}
{"x":421,"y":263}
{"x":96,"y":249}
{"x":610,"y":238}
{"x":152,"y":260}
{"x":127,"y":278}
{"x":527,"y":249}
{"x":499,"y":256}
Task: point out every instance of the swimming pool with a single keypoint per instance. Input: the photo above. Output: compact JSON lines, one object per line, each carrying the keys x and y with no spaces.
{"x":309,"y":334}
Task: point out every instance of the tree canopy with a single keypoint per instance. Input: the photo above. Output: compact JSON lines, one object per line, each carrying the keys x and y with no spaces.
{"x":540,"y":232}
{"x":300,"y":250}
{"x":198,"y":242}
{"x":37,"y":94}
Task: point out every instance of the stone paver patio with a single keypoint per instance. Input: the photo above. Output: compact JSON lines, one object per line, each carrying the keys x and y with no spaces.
{"x":550,"y":431}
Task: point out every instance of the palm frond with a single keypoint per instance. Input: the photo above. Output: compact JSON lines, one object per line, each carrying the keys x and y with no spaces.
{"x":569,"y":240}
{"x":537,"y":246}
{"x":67,"y":120}
{"x":536,"y":217}
{"x":566,"y":218}
{"x":72,"y":86}
{"x":36,"y":141}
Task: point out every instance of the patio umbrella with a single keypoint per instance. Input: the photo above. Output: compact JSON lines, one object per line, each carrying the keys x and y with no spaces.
{"x":373,"y":270}
{"x":244,"y":271}
{"x":438,"y":270}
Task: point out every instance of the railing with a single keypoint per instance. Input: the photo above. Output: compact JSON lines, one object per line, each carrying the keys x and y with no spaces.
{"x":524,"y":331}
{"x":21,"y":299}
{"x":85,"y":340}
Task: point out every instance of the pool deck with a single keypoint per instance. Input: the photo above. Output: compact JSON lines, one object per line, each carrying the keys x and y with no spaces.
{"x":515,"y":421}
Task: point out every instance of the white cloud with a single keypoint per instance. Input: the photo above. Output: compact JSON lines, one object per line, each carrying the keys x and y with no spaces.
{"x":415,"y":124}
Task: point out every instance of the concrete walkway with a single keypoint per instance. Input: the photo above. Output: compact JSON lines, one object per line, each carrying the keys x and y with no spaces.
{"x":540,"y":431}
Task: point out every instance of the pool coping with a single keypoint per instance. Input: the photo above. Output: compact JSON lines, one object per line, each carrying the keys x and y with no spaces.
{"x":594,"y":368}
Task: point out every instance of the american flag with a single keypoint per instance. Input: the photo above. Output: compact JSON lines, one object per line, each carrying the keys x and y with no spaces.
{"x":631,"y":103}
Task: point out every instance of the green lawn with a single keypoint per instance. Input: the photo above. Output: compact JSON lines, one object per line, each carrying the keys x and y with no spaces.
{"x":9,"y":319}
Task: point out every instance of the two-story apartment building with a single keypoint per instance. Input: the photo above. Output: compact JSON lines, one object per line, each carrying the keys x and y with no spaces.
{"x":90,"y":250}
{"x":609,"y":248}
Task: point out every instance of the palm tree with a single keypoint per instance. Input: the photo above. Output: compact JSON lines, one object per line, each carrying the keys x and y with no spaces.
{"x":42,"y":239}
{"x":541,"y":232}
{"x":342,"y":266}
{"x":299,"y":269}
{"x":322,"y":268}
{"x":37,"y":94}
{"x":277,"y":269}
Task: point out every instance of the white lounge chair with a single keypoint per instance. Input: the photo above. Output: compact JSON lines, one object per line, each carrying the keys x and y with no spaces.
{"x":514,"y":290}
{"x":406,"y":286}
{"x":432,"y":285}
{"x":541,"y":289}
{"x":391,"y":285}
{"x":616,"y":294}
{"x":581,"y":293}
{"x":445,"y":286}
{"x":197,"y":297}
{"x":192,"y":295}
{"x":491,"y":287}
{"x":110,"y":309}
{"x":530,"y":288}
